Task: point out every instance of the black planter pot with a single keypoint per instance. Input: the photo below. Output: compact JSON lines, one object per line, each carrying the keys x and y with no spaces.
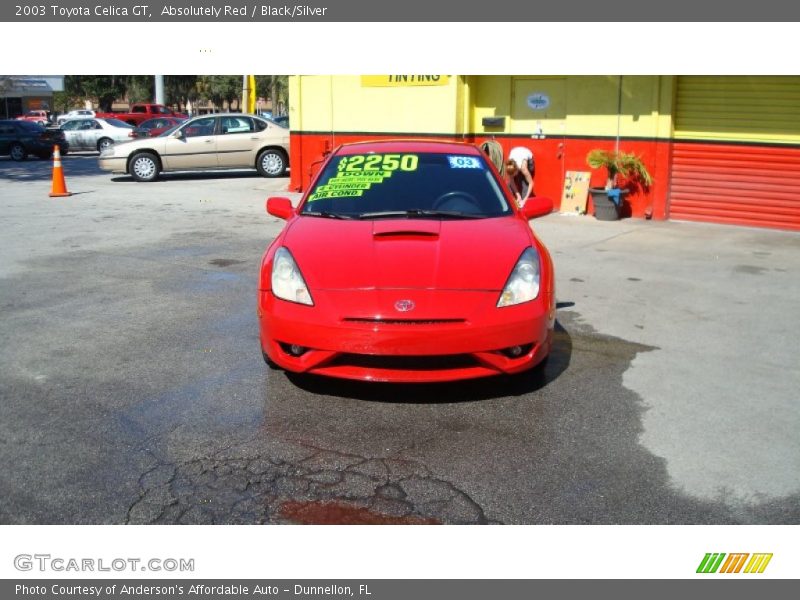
{"x":607,"y":203}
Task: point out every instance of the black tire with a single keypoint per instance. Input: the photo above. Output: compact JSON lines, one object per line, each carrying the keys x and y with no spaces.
{"x":103,"y":143}
{"x":271,"y":163}
{"x":17,"y":152}
{"x":144,"y":166}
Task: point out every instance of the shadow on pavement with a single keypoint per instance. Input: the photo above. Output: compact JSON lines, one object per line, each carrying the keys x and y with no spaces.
{"x":37,"y":169}
{"x":439,"y":393}
{"x":194,"y":176}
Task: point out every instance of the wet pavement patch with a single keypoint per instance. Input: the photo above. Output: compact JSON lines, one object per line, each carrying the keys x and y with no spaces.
{"x":749,"y":269}
{"x":225,"y":262}
{"x":297,"y":484}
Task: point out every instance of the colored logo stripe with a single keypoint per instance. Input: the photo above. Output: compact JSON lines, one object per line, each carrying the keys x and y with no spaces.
{"x":758,"y":563}
{"x":711,"y":562}
{"x":734,"y":563}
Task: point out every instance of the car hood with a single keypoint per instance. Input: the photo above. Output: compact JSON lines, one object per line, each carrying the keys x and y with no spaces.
{"x":407,"y":253}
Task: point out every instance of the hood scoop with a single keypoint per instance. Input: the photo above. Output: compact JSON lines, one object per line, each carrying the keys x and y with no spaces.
{"x":406,"y":228}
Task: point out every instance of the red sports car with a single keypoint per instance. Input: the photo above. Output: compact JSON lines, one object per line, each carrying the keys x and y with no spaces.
{"x":407,"y":261}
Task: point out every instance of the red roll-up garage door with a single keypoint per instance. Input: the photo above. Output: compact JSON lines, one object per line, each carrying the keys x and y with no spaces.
{"x":736,"y":154}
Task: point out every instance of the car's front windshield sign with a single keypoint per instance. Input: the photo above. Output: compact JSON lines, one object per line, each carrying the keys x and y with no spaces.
{"x":409,"y":185}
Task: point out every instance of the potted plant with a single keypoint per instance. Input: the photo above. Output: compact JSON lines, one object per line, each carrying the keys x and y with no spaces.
{"x":608,"y":200}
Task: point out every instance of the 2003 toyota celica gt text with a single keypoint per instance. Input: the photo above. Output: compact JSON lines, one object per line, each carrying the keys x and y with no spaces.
{"x":407,"y":262}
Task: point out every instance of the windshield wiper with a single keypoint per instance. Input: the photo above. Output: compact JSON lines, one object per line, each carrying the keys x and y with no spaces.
{"x":325,"y":214}
{"x":418,"y":212}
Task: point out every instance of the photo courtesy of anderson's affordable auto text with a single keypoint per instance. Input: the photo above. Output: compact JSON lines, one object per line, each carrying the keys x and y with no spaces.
{"x":397,"y":335}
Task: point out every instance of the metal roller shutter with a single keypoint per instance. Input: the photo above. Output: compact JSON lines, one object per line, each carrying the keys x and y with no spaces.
{"x":736,"y":154}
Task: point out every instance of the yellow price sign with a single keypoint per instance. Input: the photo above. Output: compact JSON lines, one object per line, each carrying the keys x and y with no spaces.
{"x":403,"y":80}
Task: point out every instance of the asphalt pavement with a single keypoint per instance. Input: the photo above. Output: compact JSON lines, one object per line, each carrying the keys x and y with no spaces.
{"x":132,"y":388}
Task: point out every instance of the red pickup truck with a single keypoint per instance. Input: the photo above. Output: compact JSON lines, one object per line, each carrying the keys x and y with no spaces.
{"x":36,"y":116}
{"x":141,"y":112}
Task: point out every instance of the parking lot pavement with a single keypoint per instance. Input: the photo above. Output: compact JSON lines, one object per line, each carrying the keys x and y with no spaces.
{"x":133,"y":390}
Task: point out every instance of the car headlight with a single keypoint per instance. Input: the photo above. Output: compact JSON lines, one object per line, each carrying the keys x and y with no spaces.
{"x":523,"y":284}
{"x":287,"y":281}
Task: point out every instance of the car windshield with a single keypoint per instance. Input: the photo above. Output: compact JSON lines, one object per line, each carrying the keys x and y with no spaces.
{"x":118,"y":123}
{"x":406,"y":185}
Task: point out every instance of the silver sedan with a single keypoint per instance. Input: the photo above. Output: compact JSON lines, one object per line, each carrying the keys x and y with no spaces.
{"x":96,"y":134}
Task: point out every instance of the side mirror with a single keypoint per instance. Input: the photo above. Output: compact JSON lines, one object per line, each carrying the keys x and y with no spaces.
{"x":178,"y":134}
{"x":280,"y":207}
{"x":538,"y":206}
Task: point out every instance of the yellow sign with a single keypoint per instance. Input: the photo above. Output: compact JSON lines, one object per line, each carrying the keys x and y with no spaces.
{"x":403,"y":80}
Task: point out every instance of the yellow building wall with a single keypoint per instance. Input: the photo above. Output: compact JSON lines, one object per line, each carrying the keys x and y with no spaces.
{"x":637,"y":106}
{"x":591,"y":105}
{"x":321,"y":103}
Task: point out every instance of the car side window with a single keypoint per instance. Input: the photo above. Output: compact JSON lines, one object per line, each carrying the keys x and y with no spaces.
{"x":138,"y":109}
{"x":71,"y":125}
{"x":200,"y":127}
{"x":260,"y":125}
{"x":237,"y":125}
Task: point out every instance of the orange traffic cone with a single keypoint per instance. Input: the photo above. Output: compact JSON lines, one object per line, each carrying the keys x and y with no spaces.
{"x":59,"y":185}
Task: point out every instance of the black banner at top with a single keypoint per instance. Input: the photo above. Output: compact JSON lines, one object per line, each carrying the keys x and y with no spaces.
{"x":607,"y":11}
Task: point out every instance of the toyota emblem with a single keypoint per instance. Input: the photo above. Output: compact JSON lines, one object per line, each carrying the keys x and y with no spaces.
{"x":404,"y":305}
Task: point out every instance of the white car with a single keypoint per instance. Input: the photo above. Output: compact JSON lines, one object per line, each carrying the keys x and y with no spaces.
{"x":96,"y":134}
{"x":75,"y":114}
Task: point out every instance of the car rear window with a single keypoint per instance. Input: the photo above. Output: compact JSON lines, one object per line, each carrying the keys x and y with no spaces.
{"x":364,"y":185}
{"x":118,"y":123}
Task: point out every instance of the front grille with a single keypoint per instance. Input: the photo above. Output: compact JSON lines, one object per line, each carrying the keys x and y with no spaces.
{"x":406,"y":363}
{"x":402,"y":321}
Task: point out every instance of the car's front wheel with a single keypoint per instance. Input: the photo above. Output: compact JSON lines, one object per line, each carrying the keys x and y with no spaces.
{"x":271,"y":163}
{"x":144,"y":166}
{"x":104,"y":143}
{"x":17,"y":152}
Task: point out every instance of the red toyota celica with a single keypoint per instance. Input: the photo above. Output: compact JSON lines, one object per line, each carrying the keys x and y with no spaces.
{"x":407,"y":261}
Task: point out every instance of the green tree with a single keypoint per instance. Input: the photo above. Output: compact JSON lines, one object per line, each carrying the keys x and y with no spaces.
{"x":222,"y":88}
{"x":140,"y":88}
{"x":181,"y":89}
{"x":276,"y":89}
{"x":104,"y":89}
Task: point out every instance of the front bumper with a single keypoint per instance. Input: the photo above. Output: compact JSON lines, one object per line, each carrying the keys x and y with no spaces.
{"x":114,"y":164}
{"x":427,"y":349}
